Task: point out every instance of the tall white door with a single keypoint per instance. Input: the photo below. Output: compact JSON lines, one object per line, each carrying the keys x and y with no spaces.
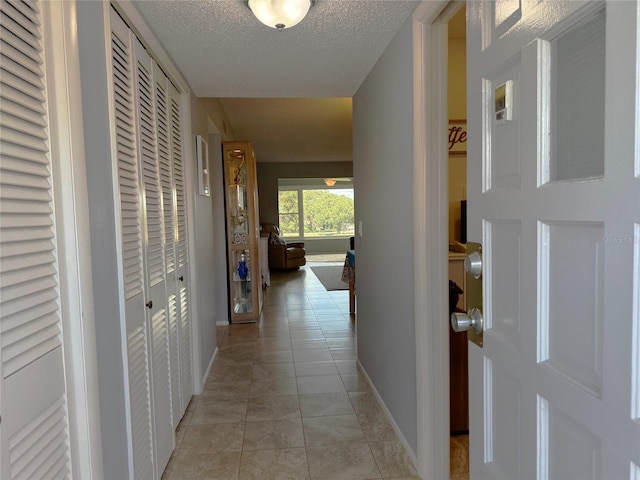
{"x":153,"y":247}
{"x":142,"y":463}
{"x":554,"y":198}
{"x":34,"y":433}
{"x":163,"y":129}
{"x":181,"y":249}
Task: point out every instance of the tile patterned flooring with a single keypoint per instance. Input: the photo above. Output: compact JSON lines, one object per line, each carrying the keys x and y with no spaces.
{"x":285,"y":400}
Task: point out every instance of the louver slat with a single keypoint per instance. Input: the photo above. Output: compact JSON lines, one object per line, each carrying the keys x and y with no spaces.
{"x":148,"y":157}
{"x":40,"y":449}
{"x":178,"y":171}
{"x":28,"y":273}
{"x":174,"y":355}
{"x":139,"y":386}
{"x":164,"y":156}
{"x":35,"y":412}
{"x":122,"y":79}
{"x":162,"y":387}
{"x":185,"y":346}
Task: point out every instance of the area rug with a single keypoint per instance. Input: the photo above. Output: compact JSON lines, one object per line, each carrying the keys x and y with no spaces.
{"x":330,"y":277}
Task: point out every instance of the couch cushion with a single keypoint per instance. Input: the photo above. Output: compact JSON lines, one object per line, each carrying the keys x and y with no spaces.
{"x":295,"y":252}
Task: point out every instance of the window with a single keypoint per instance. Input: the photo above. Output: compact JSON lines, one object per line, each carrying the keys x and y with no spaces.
{"x":308,"y":208}
{"x":289,"y":213}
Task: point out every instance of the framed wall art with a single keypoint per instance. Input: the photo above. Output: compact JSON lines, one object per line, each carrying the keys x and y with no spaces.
{"x":202,"y":152}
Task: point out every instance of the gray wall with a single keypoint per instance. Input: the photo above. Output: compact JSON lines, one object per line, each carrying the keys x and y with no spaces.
{"x":383,"y":176}
{"x":205,"y":265}
{"x":111,"y":374}
{"x":268,"y":174}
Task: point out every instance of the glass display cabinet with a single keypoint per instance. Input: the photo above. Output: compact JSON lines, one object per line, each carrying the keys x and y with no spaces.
{"x":241,"y":199}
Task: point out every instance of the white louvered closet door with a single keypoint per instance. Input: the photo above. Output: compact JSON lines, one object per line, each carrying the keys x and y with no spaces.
{"x":34,"y":430}
{"x":182,"y":264}
{"x":166,"y":185}
{"x":137,"y":331}
{"x":154,"y":255}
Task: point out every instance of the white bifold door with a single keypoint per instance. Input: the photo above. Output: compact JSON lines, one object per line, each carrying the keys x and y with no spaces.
{"x":148,"y":131}
{"x":554,"y":198}
{"x":34,"y":432}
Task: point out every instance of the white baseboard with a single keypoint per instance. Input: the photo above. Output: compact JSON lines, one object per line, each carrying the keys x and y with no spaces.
{"x":222,"y":323}
{"x":399,"y":433}
{"x":208,"y":370}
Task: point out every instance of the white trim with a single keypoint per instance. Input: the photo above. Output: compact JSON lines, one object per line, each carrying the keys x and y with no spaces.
{"x":208,"y":370}
{"x":74,"y":248}
{"x":222,"y":323}
{"x":386,"y":411}
{"x":430,"y":239}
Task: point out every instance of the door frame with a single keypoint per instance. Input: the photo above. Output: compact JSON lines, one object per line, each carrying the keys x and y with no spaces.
{"x":430,"y":187}
{"x":72,"y":230}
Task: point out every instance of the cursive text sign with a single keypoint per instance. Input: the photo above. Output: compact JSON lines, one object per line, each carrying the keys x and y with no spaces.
{"x":457,"y":137}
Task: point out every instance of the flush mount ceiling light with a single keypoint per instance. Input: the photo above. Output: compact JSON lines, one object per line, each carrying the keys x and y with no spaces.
{"x":280,"y":14}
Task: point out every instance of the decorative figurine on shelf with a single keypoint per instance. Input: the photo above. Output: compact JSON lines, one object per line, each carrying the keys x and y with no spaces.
{"x":238,"y":172}
{"x":239,"y":219}
{"x":243,"y":270}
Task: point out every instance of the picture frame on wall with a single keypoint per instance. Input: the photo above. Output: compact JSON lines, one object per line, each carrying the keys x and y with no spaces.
{"x":202,"y":153}
{"x":457,"y":138}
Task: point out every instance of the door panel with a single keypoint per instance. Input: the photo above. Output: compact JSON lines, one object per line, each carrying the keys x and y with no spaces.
{"x":130,"y":194}
{"x":34,"y":431}
{"x":554,"y":195}
{"x":502,"y":282}
{"x":570,"y":332}
{"x":163,"y":133}
{"x":181,"y":248}
{"x":154,"y":256}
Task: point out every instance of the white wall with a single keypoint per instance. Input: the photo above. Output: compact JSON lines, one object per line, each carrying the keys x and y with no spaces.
{"x":383,"y":177}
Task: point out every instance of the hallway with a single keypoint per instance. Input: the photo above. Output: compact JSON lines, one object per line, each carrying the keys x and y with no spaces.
{"x":284,"y":398}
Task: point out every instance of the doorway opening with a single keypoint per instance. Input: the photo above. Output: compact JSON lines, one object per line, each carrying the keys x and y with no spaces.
{"x":457,"y":194}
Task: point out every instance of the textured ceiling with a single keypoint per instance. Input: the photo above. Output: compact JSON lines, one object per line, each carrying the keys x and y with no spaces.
{"x":224,"y":51}
{"x":280,"y":90}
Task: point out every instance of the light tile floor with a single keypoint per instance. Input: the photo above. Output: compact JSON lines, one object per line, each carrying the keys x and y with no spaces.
{"x":285,"y":400}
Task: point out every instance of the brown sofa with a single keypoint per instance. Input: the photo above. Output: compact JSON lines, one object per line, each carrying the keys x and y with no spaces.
{"x":282,"y":254}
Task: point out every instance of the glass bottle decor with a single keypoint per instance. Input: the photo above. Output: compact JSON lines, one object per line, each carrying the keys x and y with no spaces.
{"x":243,"y":270}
